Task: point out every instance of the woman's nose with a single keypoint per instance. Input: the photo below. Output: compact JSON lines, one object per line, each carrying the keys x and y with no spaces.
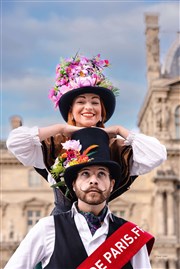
{"x":88,"y":106}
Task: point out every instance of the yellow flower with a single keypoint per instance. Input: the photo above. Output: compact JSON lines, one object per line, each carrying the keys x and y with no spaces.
{"x":73,"y":162}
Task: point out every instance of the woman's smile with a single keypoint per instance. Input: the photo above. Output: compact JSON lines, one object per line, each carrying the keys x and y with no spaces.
{"x":88,"y":114}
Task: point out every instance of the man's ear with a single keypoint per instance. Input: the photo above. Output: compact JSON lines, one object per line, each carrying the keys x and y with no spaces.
{"x":73,"y":186}
{"x":112,"y":184}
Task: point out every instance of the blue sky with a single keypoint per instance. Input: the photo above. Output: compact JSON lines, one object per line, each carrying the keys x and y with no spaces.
{"x":35,"y":34}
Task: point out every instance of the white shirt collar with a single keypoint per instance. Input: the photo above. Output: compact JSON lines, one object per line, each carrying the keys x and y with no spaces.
{"x":74,"y":211}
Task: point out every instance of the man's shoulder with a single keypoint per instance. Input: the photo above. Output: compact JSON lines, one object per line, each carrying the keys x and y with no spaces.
{"x":48,"y":220}
{"x":43,"y":225}
{"x":118,"y":220}
{"x":64,"y":215}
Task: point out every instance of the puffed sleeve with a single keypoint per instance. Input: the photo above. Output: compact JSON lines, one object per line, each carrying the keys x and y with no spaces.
{"x":141,"y":259}
{"x":24,"y":143}
{"x":148,"y":153}
{"x":36,"y":246}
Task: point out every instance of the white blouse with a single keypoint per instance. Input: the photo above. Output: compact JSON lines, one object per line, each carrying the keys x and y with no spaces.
{"x":38,"y":245}
{"x":25,"y":144}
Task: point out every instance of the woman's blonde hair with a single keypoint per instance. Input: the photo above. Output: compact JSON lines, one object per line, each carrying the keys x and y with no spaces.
{"x":71,"y":120}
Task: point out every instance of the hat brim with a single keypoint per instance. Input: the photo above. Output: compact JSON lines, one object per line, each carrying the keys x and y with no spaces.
{"x":71,"y":173}
{"x":106,"y":95}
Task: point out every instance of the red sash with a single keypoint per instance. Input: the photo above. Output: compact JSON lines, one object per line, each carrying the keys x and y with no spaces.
{"x":119,"y":248}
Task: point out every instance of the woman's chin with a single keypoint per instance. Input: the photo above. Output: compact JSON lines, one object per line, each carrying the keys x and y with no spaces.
{"x":88,"y":123}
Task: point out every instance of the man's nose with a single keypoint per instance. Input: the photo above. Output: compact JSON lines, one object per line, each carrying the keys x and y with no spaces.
{"x":93,"y":180}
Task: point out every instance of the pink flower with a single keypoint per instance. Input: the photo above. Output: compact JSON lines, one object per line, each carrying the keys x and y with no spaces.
{"x":106,"y":62}
{"x":56,"y":99}
{"x":72,"y":154}
{"x":64,"y":89}
{"x":58,"y":67}
{"x":51,"y":93}
{"x":85,"y":81}
{"x":84,"y":60}
{"x":72,"y":144}
{"x":61,"y":81}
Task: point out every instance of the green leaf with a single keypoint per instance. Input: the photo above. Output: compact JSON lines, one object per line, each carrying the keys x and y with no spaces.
{"x":59,"y":184}
{"x":89,"y":154}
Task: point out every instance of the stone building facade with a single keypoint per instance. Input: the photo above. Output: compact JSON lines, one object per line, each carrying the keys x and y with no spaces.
{"x":160,"y":117}
{"x":25,"y":198}
{"x":153,"y":201}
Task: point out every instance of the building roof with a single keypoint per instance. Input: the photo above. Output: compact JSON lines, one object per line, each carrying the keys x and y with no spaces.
{"x":171,"y":66}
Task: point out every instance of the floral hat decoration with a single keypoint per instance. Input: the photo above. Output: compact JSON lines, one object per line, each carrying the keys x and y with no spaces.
{"x":77,"y":75}
{"x":88,"y":146}
{"x":71,"y":156}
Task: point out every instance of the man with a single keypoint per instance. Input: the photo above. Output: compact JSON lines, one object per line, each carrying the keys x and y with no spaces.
{"x":88,"y":236}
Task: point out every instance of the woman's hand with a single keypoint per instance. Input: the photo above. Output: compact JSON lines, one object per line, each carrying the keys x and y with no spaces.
{"x":63,"y":129}
{"x":115,"y":130}
{"x":68,"y":130}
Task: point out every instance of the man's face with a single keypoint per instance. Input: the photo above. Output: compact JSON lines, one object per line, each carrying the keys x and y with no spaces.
{"x":93,"y":185}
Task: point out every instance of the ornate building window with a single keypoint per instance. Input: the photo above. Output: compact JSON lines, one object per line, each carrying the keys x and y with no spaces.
{"x":177,"y":122}
{"x":119,"y":213}
{"x":122,"y":213}
{"x":165,"y":209}
{"x":34,"y":179}
{"x":33,"y":210}
{"x":32,"y":218}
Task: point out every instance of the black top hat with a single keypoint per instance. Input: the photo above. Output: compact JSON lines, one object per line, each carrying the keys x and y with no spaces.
{"x":106,"y":95}
{"x":100,"y":156}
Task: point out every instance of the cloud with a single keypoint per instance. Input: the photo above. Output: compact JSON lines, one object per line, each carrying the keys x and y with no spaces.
{"x":60,"y":33}
{"x":35,"y":35}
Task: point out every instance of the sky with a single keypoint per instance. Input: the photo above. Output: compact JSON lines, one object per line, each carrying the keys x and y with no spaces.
{"x":36,"y":34}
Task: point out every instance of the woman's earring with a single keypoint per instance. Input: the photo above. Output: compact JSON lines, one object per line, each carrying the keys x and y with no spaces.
{"x":100,"y":120}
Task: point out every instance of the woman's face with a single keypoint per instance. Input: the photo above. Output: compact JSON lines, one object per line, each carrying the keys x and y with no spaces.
{"x":86,"y":110}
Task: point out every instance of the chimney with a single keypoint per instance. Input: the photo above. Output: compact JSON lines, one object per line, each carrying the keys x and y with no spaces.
{"x":152,"y":47}
{"x":16,"y":122}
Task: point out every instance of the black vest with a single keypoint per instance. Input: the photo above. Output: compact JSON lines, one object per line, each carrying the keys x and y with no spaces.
{"x":69,"y":251}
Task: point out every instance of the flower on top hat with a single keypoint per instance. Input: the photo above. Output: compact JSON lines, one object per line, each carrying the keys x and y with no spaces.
{"x":77,"y":72}
{"x":71,"y":156}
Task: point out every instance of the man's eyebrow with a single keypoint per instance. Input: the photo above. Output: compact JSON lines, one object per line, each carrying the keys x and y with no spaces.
{"x":83,"y":169}
{"x":102,"y":169}
{"x":88,"y":168}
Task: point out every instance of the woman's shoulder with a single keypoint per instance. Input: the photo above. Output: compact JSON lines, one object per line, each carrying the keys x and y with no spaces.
{"x":51,"y":148}
{"x":56,"y":139}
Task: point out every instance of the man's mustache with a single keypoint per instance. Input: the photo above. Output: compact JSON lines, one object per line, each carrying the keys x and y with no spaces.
{"x":89,"y":189}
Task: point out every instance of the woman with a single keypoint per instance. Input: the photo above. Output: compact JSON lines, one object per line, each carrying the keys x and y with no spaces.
{"x":85,"y":99}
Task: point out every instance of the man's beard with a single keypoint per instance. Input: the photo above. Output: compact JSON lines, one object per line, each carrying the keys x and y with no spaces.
{"x":93,"y":198}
